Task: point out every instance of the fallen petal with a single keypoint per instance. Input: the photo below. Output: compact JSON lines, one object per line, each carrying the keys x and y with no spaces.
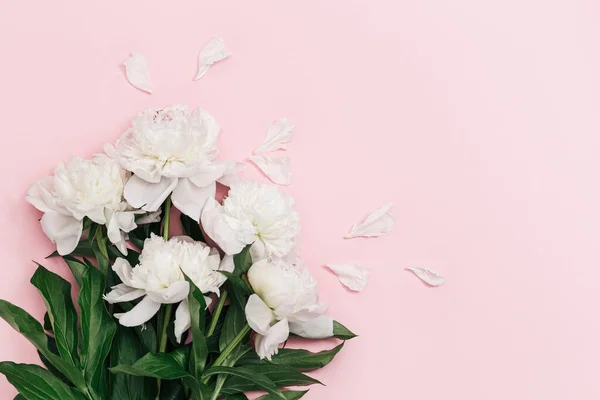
{"x":376,"y":224}
{"x":353,"y":276}
{"x":213,"y":51}
{"x":277,"y":169}
{"x":428,"y":275}
{"x":277,"y":137}
{"x":136,"y":70}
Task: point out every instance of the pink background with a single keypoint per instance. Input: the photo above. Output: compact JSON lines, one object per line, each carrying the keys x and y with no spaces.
{"x":478,"y":119}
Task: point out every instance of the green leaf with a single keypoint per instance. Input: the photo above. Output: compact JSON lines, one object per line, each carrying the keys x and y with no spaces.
{"x":77,"y":268}
{"x":257,"y":378}
{"x":171,"y":390}
{"x":127,"y":349}
{"x":242,"y":261}
{"x":83,"y":249}
{"x":56,"y":293}
{"x":239,"y":396}
{"x":234,"y":323}
{"x":281,"y":375}
{"x":47,"y":323}
{"x":29,"y":327}
{"x":191,"y":228}
{"x":341,"y":332}
{"x":302,"y":360}
{"x":97,"y":330}
{"x":35,"y":383}
{"x":101,"y":257}
{"x":238,"y":289}
{"x":289,"y":395}
{"x":48,"y":364}
{"x":199,"y":352}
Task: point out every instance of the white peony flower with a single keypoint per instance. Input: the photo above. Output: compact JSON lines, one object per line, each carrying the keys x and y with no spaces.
{"x":83,"y":188}
{"x":172,"y":150}
{"x":160,"y":279}
{"x":285,"y":301}
{"x":253,"y":214}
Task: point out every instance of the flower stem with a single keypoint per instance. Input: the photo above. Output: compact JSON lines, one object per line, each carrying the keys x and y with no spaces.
{"x":230,"y":347}
{"x":216,"y":314}
{"x":167,"y":218}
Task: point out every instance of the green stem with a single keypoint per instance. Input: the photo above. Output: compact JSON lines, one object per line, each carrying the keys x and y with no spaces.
{"x":216,"y":314}
{"x":230,"y":347}
{"x":167,"y":218}
{"x":218,"y":387}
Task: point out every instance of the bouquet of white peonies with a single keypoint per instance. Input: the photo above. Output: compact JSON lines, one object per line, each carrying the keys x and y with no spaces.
{"x":198,"y":316}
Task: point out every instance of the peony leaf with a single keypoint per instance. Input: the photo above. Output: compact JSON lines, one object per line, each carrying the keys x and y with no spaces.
{"x":281,"y":375}
{"x":242,"y":261}
{"x":375,"y":224}
{"x":199,"y":353}
{"x":353,"y":276}
{"x":302,"y":360}
{"x":213,"y":51}
{"x":235,"y":320}
{"x":277,"y":137}
{"x":288,"y":394}
{"x":277,"y":169}
{"x":35,"y":383}
{"x":77,"y":267}
{"x":260,"y":380}
{"x":427,"y":275}
{"x":136,"y":71}
{"x":341,"y":332}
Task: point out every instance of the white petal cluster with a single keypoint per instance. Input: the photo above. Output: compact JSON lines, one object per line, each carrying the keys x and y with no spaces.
{"x":253,"y":214}
{"x":160,"y":278}
{"x":80,"y":188}
{"x":171,"y":151}
{"x":285,"y":301}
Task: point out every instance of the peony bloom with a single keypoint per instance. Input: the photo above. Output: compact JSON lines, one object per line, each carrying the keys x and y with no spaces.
{"x":83,"y":188}
{"x":160,"y":279}
{"x":285,"y":301}
{"x":253,"y":214}
{"x":172,"y":150}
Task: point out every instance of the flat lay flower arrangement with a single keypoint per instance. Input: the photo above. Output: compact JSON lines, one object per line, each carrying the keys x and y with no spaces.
{"x":204,"y":315}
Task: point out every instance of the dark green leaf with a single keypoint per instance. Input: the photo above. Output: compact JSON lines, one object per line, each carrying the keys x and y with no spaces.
{"x":238,"y":289}
{"x":341,"y":332}
{"x":302,"y":360}
{"x":146,"y":333}
{"x":56,"y":293}
{"x":191,"y":228}
{"x":47,"y":323}
{"x":199,"y":352}
{"x":242,"y":261}
{"x":97,"y":330}
{"x":48,"y":364}
{"x":234,"y":323}
{"x":255,"y":377}
{"x":239,"y":396}
{"x":154,"y":365}
{"x":29,"y":327}
{"x":35,"y":383}
{"x":289,"y":395}
{"x":83,"y":249}
{"x":171,"y":390}
{"x":281,"y":375}
{"x":77,"y":267}
{"x":101,"y":257}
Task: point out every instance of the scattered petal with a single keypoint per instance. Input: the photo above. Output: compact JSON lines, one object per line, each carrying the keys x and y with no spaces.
{"x":428,"y":275}
{"x":376,"y":224}
{"x":136,"y":70}
{"x":277,"y":137}
{"x":277,"y":169}
{"x":213,"y":51}
{"x":353,"y":276}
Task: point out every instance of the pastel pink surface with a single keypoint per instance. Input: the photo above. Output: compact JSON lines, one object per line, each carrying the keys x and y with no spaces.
{"x":478,"y":119}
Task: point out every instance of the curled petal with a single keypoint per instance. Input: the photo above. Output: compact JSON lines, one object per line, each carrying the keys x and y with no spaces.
{"x":375,"y":224}
{"x":267,"y":346}
{"x":191,"y":199}
{"x":277,"y":137}
{"x":223,"y":229}
{"x":122,"y":293}
{"x":146,"y":195}
{"x":141,"y":313}
{"x":182,"y":319}
{"x":63,"y":230}
{"x":213,"y":51}
{"x":176,"y":292}
{"x":277,"y":169}
{"x":316,"y":328}
{"x":231,"y":175}
{"x":136,"y":70}
{"x":428,"y":275}
{"x":124,"y":271}
{"x":259,"y":315}
{"x":353,"y":276}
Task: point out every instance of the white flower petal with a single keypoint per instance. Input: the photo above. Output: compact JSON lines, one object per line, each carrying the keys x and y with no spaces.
{"x":231,"y":176}
{"x":427,"y":275}
{"x":148,"y":196}
{"x":63,"y":230}
{"x":353,"y":276}
{"x":211,"y":173}
{"x":267,"y":346}
{"x":190,"y":199}
{"x":149,"y":218}
{"x":126,"y":220}
{"x":183,"y":319}
{"x":317,"y":328}
{"x":259,"y":315}
{"x":277,"y":137}
{"x":136,"y":70}
{"x":375,"y":224}
{"x":213,"y":51}
{"x":141,"y":313}
{"x":218,"y":229}
{"x":176,"y":292}
{"x":121,"y":293}
{"x":277,"y":169}
{"x":124,"y":271}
